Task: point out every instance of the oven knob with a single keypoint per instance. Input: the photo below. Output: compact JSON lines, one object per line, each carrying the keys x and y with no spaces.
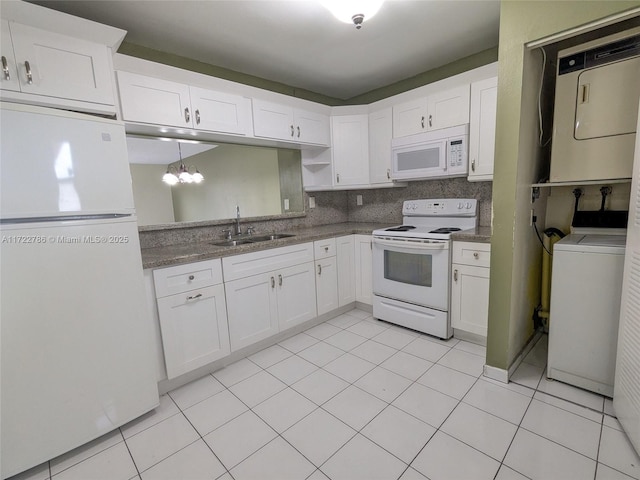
{"x":460,"y":205}
{"x":468,"y":205}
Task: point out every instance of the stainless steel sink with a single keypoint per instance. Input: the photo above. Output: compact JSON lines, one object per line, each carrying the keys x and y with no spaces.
{"x":232,"y":243}
{"x":266,"y":238}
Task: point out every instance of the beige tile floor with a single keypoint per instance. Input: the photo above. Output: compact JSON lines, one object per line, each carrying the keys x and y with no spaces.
{"x":355,"y":398}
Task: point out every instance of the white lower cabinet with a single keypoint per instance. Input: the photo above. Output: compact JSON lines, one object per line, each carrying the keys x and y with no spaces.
{"x":192,"y":314}
{"x":269,"y":291}
{"x":345,"y":256}
{"x":326,"y":272}
{"x":363,"y":262}
{"x":470,"y":287}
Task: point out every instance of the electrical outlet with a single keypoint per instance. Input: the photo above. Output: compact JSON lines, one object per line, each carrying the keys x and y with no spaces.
{"x":312,"y":202}
{"x":358,"y":199}
{"x":286,"y":204}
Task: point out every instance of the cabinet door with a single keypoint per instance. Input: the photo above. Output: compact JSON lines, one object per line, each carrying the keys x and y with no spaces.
{"x":61,"y":66}
{"x":410,"y":118}
{"x":152,"y":100}
{"x":350,"y":150}
{"x":220,"y":112}
{"x":380,"y":133}
{"x":252,"y":308}
{"x":363,"y":260}
{"x":482,"y":129}
{"x":470,"y":299}
{"x":9,"y":75}
{"x":296,"y":288}
{"x":345,"y":255}
{"x":272,"y":120}
{"x":327,"y":284}
{"x":194,"y":329}
{"x":448,"y":108}
{"x":311,"y":127}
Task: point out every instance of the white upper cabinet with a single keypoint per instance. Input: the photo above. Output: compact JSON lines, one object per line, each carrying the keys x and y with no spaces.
{"x":152,"y":100}
{"x":282,"y":122}
{"x":350,"y":152}
{"x":482,"y":129}
{"x":9,"y":78}
{"x":161,"y":102}
{"x":380,"y":133}
{"x":439,"y":110}
{"x":55,"y":65}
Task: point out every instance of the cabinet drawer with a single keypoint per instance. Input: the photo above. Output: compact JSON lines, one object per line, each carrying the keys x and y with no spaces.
{"x":255,"y":263}
{"x":324,"y":248}
{"x":182,"y":278}
{"x":472,"y":253}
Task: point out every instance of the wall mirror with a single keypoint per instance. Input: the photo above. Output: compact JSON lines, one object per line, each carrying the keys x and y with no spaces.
{"x":262,"y":181}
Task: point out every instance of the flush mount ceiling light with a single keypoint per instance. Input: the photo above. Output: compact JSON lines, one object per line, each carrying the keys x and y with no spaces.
{"x":353,"y":11}
{"x":182,"y":174}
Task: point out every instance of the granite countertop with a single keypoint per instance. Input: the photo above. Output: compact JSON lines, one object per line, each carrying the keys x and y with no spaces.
{"x":156,"y":257}
{"x":479,"y":234}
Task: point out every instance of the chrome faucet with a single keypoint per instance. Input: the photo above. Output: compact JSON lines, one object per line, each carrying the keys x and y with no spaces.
{"x":237,"y":229}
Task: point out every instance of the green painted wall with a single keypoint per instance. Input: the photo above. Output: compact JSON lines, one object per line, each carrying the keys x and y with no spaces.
{"x":462,"y":65}
{"x":511,"y":278}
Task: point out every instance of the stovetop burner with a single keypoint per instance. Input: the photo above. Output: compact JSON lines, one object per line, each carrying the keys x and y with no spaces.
{"x":445,"y":230}
{"x":401,"y":228}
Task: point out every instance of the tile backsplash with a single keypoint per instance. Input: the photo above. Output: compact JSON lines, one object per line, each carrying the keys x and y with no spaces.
{"x":383,"y":205}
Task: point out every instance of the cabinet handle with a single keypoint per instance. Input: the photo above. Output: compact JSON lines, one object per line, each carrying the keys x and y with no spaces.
{"x":193,"y":297}
{"x":298,"y":131}
{"x":192,"y":277}
{"x":187,"y":117}
{"x":280,"y":280}
{"x":473,"y":165}
{"x":319,"y":269}
{"x":455,"y":275}
{"x":430,"y":122}
{"x":198,"y":117}
{"x":338,"y":177}
{"x":29,"y":73}
{"x":5,"y":68}
{"x":476,"y":255}
{"x":292,"y":130}
{"x":422,"y":121}
{"x":388,"y":174}
{"x":273,"y":282}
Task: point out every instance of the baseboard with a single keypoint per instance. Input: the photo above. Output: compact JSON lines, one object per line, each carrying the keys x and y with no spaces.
{"x":502,"y":375}
{"x":495,"y":373}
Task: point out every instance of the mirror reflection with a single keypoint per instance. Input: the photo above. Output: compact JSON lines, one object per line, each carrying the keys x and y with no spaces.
{"x":262,"y":181}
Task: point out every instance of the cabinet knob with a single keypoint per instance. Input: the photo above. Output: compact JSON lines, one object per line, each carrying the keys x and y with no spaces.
{"x":326,"y":249}
{"x":5,"y":68}
{"x":192,"y":277}
{"x":198,"y":117}
{"x":187,"y":115}
{"x":476,"y":255}
{"x":193,"y":297}
{"x":29,"y":73}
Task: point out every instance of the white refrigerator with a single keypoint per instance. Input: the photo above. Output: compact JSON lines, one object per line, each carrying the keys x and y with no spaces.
{"x":76,"y":333}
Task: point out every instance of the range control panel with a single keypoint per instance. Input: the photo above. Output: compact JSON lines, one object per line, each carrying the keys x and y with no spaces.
{"x":449,"y":207}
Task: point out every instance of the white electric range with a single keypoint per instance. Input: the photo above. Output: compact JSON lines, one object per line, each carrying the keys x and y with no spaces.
{"x":412,"y":264}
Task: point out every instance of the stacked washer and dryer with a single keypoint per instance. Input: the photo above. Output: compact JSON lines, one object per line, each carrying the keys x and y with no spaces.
{"x":594,"y":134}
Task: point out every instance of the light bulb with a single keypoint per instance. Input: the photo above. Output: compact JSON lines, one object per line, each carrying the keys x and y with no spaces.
{"x":169,"y":178}
{"x":197,"y":177}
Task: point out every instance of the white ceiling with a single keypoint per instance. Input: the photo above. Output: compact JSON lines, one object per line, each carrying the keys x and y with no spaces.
{"x":298,"y":42}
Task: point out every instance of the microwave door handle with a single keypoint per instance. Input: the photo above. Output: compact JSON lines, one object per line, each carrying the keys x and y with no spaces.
{"x":410,"y":245}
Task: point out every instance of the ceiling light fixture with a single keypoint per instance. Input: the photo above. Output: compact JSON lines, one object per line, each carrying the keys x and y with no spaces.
{"x":353,"y":11}
{"x":182,"y":174}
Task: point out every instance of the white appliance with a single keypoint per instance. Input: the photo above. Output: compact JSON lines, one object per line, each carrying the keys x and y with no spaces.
{"x":412,"y":264}
{"x":438,"y":153}
{"x":586,"y":288}
{"x":76,"y":336}
{"x":596,"y":109}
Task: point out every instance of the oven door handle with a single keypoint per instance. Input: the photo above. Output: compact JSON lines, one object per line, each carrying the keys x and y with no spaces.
{"x":411,"y":245}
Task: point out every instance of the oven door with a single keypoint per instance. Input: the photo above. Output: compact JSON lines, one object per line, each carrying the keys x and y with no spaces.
{"x":412,"y":270}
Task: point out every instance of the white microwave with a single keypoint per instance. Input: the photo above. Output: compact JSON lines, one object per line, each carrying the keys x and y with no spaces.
{"x":438,"y":153}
